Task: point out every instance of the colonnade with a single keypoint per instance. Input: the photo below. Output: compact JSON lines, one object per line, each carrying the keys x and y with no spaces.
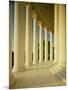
{"x":23,"y":38}
{"x":19,"y":38}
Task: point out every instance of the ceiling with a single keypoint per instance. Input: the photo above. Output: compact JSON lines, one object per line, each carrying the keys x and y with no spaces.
{"x":45,"y":13}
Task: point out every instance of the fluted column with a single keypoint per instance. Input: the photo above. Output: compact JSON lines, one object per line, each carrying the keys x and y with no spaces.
{"x":11,"y":75}
{"x":56,"y":32}
{"x":19,"y":37}
{"x":28,"y":35}
{"x":40,"y":43}
{"x":51,"y":47}
{"x":35,"y":39}
{"x":62,"y":30}
{"x":46,"y":44}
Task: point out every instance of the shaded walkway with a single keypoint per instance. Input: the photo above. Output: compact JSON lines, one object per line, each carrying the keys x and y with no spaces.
{"x":37,"y":76}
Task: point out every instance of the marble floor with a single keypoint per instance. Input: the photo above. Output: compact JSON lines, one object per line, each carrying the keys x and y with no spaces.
{"x":39,"y":75}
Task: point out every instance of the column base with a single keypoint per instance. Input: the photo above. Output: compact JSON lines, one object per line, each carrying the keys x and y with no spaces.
{"x":62,"y":65}
{"x":19,"y":69}
{"x":28,"y":65}
{"x":40,"y":61}
{"x":55,"y":61}
{"x":35,"y":62}
{"x":12,"y":80}
{"x":45,"y":61}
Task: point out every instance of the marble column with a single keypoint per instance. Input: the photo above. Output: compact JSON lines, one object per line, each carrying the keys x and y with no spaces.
{"x":51,"y":47}
{"x":28,"y":34}
{"x":11,"y":75}
{"x":62,"y":30}
{"x":46,"y":44}
{"x":40,"y":43}
{"x":35,"y":39}
{"x":56,"y":30}
{"x":19,"y":27}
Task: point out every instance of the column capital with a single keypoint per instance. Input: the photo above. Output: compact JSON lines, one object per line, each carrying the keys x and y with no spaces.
{"x":45,"y":28}
{"x":50,"y":31}
{"x":20,"y":4}
{"x":40,"y":23}
{"x":28,"y":3}
{"x":34,"y":14}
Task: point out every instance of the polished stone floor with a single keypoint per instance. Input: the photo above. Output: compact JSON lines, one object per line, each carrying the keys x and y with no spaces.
{"x":40,"y":75}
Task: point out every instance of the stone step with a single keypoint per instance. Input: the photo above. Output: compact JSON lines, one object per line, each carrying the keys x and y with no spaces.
{"x":62,"y":71}
{"x":60,"y":74}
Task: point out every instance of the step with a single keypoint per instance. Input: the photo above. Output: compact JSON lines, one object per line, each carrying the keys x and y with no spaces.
{"x":60,"y":74}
